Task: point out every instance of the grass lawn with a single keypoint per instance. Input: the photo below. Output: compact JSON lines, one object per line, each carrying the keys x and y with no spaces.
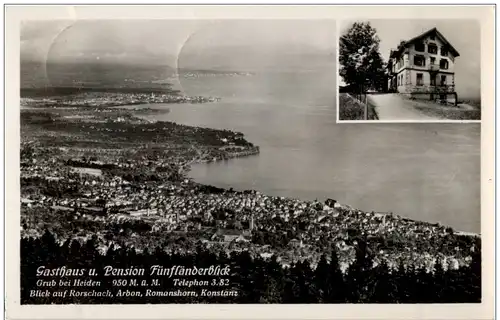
{"x":352,"y":109}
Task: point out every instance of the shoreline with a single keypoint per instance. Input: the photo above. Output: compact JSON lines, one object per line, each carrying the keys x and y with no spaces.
{"x":458,"y":232}
{"x":154,"y":157}
{"x":103,"y":99}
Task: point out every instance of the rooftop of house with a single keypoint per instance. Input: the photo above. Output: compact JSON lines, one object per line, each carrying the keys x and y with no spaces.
{"x":434,"y":31}
{"x":228,"y":232}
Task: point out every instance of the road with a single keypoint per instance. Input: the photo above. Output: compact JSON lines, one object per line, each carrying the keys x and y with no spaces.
{"x":390,"y":106}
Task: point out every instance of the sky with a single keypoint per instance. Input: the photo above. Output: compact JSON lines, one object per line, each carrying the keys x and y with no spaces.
{"x":169,"y":41}
{"x":464,"y":35}
{"x":232,"y":44}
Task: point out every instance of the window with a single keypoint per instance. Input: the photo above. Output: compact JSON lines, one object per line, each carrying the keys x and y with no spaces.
{"x":443,"y":64}
{"x":420,"y":47}
{"x":420,"y":79}
{"x":419,"y":60}
{"x":433,"y":61}
{"x":444,"y":51}
{"x":400,"y":63}
{"x":443,"y":80}
{"x":432,"y":48}
{"x":433,"y":79}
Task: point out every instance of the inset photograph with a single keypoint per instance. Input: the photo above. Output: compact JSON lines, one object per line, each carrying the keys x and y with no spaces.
{"x":412,"y":70}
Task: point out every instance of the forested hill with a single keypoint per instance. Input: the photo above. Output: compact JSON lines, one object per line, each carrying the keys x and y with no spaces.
{"x":254,"y":280}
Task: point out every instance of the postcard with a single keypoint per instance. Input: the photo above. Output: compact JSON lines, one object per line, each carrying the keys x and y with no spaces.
{"x":250,"y":161}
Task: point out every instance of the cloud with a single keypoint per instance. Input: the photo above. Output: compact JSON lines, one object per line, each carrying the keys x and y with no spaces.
{"x":156,"y":40}
{"x":32,"y":30}
{"x":38,"y":36}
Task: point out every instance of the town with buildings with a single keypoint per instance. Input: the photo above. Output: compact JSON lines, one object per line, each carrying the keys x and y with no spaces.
{"x":109,"y":99}
{"x":105,"y":172}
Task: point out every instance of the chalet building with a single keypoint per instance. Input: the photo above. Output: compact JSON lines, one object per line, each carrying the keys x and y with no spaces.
{"x":423,"y":67}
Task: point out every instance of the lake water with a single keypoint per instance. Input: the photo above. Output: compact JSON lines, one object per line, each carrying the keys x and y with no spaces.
{"x":427,"y":172}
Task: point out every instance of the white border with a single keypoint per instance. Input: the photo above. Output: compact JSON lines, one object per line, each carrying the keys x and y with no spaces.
{"x":337,"y":73}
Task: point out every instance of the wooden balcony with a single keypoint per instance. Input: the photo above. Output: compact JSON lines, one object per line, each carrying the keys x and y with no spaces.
{"x":444,"y":88}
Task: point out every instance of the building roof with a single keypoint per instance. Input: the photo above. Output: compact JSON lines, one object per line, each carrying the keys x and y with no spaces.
{"x":395,"y":53}
{"x":228,"y":232}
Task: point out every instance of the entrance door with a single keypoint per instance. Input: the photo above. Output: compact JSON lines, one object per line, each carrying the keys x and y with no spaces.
{"x":443,"y":80}
{"x":433,"y":79}
{"x":443,"y":84}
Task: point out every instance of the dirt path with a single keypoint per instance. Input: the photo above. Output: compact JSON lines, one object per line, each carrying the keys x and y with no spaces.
{"x":392,"y":107}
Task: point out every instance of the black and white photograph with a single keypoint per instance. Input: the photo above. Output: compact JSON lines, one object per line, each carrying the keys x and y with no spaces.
{"x":410,"y":70}
{"x":201,"y":161}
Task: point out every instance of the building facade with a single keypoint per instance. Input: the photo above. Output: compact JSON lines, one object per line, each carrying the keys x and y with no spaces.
{"x":424,"y":67}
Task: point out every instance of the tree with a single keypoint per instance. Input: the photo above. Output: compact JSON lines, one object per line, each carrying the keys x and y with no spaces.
{"x":321,"y":279}
{"x":360,"y":273}
{"x":256,"y":280}
{"x":377,"y":72}
{"x":329,"y":280}
{"x":362,"y":65}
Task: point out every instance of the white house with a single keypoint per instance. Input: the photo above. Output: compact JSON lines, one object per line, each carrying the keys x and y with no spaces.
{"x":424,"y":67}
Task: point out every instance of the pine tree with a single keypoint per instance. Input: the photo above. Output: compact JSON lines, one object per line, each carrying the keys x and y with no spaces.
{"x":49,"y":249}
{"x":359,"y":272}
{"x":321,"y":279}
{"x":308,"y":289}
{"x":475,"y":271}
{"x":382,"y":291}
{"x":275,"y":281}
{"x":336,"y":292}
{"x":438,"y":282}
